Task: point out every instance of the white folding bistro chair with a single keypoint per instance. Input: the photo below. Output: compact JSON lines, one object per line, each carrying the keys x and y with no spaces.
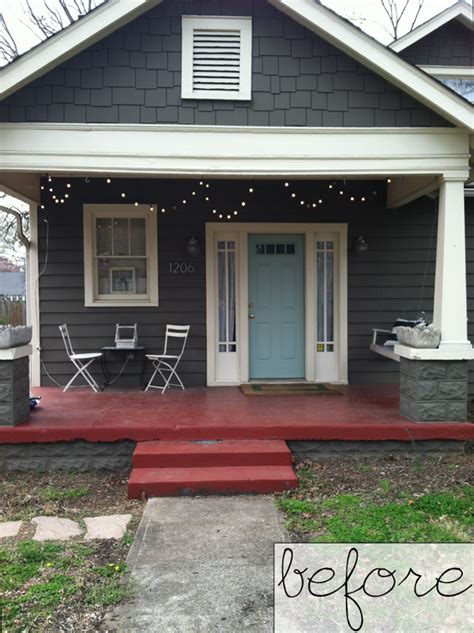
{"x":80,"y":361}
{"x":165,"y":362}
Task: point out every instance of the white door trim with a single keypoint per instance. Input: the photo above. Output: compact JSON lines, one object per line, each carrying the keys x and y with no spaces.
{"x":240,"y":232}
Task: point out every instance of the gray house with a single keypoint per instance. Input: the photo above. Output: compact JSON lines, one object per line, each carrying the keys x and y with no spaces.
{"x":261,"y":170}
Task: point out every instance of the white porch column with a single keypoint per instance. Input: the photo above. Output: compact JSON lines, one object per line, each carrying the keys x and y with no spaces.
{"x":450,"y":302}
{"x":32,"y":296}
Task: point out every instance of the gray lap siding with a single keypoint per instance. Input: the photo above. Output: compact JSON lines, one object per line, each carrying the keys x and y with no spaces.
{"x":394,"y":278}
{"x":134,"y":76}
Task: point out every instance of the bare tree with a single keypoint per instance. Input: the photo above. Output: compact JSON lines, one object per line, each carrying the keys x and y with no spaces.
{"x":397,"y":10}
{"x":401,"y":16}
{"x":43,"y":21}
{"x":14,"y":228}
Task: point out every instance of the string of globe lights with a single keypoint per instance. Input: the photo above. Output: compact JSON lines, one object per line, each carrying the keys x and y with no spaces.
{"x":203,"y":192}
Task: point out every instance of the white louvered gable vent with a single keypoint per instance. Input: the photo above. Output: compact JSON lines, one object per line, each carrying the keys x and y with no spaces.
{"x":217,"y":58}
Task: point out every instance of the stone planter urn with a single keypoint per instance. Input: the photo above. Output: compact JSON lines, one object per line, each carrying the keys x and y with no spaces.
{"x":14,"y":374}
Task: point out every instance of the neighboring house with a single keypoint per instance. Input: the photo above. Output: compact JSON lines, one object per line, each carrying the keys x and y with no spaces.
{"x":215,"y":164}
{"x":12,"y":284}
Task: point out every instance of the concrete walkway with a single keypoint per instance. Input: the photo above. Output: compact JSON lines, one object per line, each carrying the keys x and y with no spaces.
{"x":202,"y":565}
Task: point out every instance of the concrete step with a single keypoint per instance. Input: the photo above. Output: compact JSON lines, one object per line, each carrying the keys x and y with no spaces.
{"x":170,"y":482}
{"x":161,"y":454}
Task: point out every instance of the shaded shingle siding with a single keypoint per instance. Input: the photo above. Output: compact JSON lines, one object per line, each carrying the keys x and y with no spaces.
{"x":383,"y":284}
{"x":450,"y":45}
{"x":134,"y":76}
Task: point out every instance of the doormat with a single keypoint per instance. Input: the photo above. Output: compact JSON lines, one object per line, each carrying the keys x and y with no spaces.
{"x":288,"y":389}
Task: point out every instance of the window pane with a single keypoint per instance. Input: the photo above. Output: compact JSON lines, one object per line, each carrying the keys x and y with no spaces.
{"x":103,"y":228}
{"x":121,"y":236}
{"x":330,"y":245}
{"x":137,"y":236}
{"x":220,"y":245}
{"x":330,"y":347}
{"x":320,"y":295}
{"x":464,"y":87}
{"x":320,"y":246}
{"x":116,"y":275}
{"x":231,"y":282}
{"x":231,"y":245}
{"x":222,"y":309}
{"x":280,"y":249}
{"x":270,"y":249}
{"x":260,"y":249}
{"x":222,"y":348}
{"x":290,"y":249}
{"x":330,"y":296}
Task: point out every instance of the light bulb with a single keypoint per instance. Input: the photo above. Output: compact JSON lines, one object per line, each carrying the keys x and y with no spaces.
{"x":136,"y":204}
{"x":250,"y":189}
{"x":242,"y":204}
{"x":108,"y":181}
{"x":68,"y":185}
{"x":123,"y":195}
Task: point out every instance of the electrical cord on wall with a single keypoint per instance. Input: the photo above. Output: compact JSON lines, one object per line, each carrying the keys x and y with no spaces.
{"x":122,"y":369}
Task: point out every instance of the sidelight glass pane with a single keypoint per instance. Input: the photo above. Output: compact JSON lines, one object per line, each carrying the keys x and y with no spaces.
{"x":320,"y":295}
{"x":137,"y":236}
{"x":231,"y":293}
{"x":103,"y":231}
{"x":222,"y":297}
{"x":121,"y":235}
{"x":330,"y":296}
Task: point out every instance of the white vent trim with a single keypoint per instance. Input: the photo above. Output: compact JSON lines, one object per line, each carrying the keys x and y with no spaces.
{"x":216,"y":57}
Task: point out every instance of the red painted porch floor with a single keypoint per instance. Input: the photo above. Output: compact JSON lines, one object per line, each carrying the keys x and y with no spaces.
{"x":363,"y":412}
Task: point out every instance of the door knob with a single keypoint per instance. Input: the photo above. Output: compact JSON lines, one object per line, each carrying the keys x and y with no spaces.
{"x":251,"y":316}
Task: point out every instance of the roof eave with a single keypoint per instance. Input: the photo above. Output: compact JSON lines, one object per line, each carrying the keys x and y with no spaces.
{"x":459,"y":11}
{"x":67,"y":43}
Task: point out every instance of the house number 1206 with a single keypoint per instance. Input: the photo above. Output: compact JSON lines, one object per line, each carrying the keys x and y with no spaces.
{"x":181,"y":267}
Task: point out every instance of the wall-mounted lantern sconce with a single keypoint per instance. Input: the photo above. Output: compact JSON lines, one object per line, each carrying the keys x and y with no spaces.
{"x":192,"y":247}
{"x":360,"y":245}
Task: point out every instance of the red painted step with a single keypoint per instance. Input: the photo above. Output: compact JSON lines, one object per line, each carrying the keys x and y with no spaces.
{"x":159,"y":482}
{"x":161,"y":454}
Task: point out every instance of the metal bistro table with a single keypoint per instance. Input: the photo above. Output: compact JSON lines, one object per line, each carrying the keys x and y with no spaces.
{"x":129,"y":352}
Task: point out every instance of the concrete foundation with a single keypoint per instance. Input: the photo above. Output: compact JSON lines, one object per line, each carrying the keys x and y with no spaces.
{"x":14,"y":391}
{"x":433,"y":391}
{"x":79,"y":456}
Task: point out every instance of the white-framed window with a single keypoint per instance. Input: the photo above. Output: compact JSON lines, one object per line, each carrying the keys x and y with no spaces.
{"x":120,"y":255}
{"x":216,"y":57}
{"x":458,"y":78}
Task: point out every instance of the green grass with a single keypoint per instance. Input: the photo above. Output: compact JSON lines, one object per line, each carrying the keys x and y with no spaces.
{"x":51,"y":493}
{"x":348,"y":518}
{"x":36,"y":578}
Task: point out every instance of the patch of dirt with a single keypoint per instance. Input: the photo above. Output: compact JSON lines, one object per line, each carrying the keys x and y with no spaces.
{"x":74,"y":496}
{"x":25,"y":495}
{"x":385,"y":478}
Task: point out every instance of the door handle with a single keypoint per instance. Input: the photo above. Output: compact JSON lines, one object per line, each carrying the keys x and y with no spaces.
{"x":251,"y":316}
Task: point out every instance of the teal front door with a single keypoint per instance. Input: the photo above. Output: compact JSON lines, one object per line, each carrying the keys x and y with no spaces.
{"x":276,"y":306}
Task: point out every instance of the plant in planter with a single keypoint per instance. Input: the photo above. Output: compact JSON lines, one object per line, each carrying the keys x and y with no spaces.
{"x":11,"y":336}
{"x":421,"y":336}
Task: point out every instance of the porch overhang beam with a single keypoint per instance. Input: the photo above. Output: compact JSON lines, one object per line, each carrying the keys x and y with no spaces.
{"x":163,"y":150}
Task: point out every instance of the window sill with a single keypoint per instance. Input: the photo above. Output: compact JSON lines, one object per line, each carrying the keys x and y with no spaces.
{"x":121,"y":304}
